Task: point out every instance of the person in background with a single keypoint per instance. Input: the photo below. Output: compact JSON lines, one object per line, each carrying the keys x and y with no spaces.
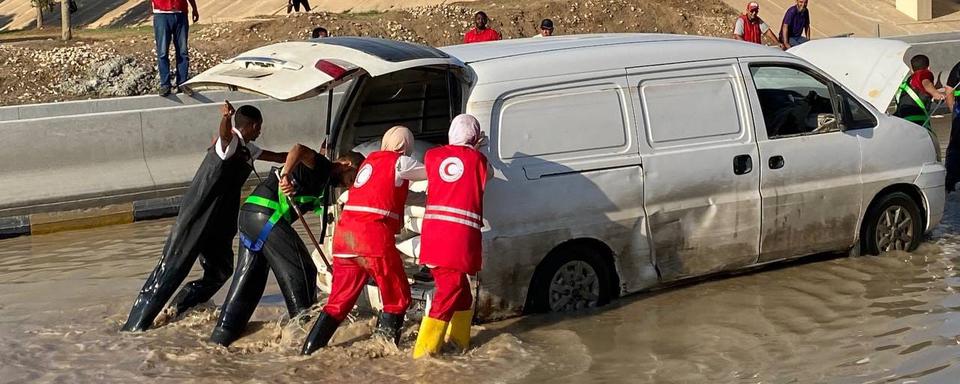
{"x":319,"y":33}
{"x":546,"y":28}
{"x":364,"y":244}
{"x":750,"y":27}
{"x":796,"y":25}
{"x":294,"y":5}
{"x":170,"y":25}
{"x":451,"y":241}
{"x":207,"y":221}
{"x":952,"y":161}
{"x":914,"y":96}
{"x":480,"y":32}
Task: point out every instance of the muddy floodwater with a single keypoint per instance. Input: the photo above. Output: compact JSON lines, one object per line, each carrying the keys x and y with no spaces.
{"x":893,"y":318}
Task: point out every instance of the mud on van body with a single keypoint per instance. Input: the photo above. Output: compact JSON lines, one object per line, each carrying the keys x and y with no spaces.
{"x":627,"y":161}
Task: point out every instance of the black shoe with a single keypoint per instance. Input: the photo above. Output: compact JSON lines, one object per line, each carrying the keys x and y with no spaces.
{"x":389,"y":327}
{"x":186,"y":90}
{"x":223,"y":336}
{"x":164,"y":91}
{"x":320,"y":334}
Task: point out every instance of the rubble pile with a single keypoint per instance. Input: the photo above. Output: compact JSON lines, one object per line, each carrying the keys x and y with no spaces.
{"x":46,"y":71}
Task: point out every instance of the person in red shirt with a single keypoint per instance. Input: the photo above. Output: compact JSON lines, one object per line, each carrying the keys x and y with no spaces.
{"x":750,"y":26}
{"x":480,"y":32}
{"x":364,"y":245}
{"x":170,"y":25}
{"x":451,"y":241}
{"x":917,"y":91}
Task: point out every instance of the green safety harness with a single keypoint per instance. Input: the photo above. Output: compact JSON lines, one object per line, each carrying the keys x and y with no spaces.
{"x":918,"y":119}
{"x":281,"y":209}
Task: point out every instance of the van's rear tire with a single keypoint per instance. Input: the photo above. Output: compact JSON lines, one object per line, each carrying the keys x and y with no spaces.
{"x":570,"y":279}
{"x":892,"y":224}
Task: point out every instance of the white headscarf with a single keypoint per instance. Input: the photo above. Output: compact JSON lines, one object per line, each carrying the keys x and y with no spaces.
{"x":398,"y":139}
{"x":464,"y":130}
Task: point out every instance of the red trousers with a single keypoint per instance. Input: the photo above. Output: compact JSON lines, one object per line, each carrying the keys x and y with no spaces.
{"x":350,"y":274}
{"x":451,"y":293}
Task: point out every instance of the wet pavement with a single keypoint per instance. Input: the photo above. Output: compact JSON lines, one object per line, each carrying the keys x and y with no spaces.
{"x":893,"y":318}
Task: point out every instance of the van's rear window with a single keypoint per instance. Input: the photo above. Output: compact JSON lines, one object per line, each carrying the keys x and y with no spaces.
{"x":389,"y":50}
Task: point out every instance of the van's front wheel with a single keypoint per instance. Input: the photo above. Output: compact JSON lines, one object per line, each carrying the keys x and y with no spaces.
{"x":892,"y":224}
{"x":569,"y":281}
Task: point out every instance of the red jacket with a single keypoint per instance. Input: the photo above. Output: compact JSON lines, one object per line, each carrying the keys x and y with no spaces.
{"x":916,"y":81}
{"x":170,"y":5}
{"x":451,"y":237}
{"x":751,"y":30}
{"x":374,"y":210}
{"x":475,"y":36}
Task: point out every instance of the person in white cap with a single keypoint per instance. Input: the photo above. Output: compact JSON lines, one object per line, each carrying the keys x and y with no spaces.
{"x":750,"y":27}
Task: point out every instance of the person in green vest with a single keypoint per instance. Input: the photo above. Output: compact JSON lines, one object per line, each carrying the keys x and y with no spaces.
{"x":916,"y":92}
{"x":268,"y":240}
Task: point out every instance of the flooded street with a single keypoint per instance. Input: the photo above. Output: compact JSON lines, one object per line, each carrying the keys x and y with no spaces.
{"x":892,"y":318}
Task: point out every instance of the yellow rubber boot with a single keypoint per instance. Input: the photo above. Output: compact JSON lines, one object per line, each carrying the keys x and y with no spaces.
{"x":459,"y":330}
{"x":430,"y":337}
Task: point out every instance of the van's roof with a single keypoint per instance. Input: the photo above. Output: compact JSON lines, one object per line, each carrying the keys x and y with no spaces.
{"x":523,"y":58}
{"x":644,"y":43}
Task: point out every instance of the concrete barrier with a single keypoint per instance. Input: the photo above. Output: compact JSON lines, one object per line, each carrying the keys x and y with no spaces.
{"x":136,"y":153}
{"x":116,"y":104}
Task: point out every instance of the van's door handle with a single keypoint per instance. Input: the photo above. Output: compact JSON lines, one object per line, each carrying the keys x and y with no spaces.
{"x":742,"y":164}
{"x":776,"y":162}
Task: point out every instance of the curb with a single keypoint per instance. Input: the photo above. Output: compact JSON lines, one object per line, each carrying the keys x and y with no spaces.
{"x":51,"y":222}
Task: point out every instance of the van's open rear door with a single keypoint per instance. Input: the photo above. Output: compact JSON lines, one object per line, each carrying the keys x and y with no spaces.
{"x":301,"y":69}
{"x":871,"y":68}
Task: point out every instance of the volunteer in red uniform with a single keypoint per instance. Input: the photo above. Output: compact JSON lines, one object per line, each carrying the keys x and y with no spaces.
{"x":364,"y":245}
{"x":480,"y":32}
{"x":450,"y":240}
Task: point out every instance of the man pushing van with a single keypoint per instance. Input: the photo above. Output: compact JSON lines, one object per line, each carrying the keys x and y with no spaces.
{"x":207,"y":221}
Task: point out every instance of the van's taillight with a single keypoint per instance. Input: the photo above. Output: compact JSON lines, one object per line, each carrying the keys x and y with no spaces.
{"x":331,"y":69}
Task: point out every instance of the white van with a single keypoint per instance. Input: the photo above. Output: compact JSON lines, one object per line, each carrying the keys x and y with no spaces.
{"x":627,"y":161}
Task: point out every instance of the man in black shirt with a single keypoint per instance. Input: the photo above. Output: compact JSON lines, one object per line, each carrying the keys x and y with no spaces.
{"x":269,"y":242}
{"x":953,"y":148}
{"x":207,"y":221}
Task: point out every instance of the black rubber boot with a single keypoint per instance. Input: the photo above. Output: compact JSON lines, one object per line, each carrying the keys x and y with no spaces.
{"x":223,"y":336}
{"x":141,"y":316}
{"x":320,"y":334}
{"x":389,"y":326}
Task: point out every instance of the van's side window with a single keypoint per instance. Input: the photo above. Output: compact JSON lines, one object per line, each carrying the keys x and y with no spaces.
{"x":684,"y":108}
{"x":855,"y":115}
{"x":563,"y":123}
{"x":794,"y":102}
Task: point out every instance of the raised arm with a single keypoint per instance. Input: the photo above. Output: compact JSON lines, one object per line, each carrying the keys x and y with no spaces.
{"x":226,"y":124}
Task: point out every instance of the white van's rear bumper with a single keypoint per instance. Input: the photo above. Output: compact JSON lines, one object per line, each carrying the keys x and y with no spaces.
{"x":932,"y":186}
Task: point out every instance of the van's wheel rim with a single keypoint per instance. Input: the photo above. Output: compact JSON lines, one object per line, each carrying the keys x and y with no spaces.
{"x":894,"y":229}
{"x":574,"y":286}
